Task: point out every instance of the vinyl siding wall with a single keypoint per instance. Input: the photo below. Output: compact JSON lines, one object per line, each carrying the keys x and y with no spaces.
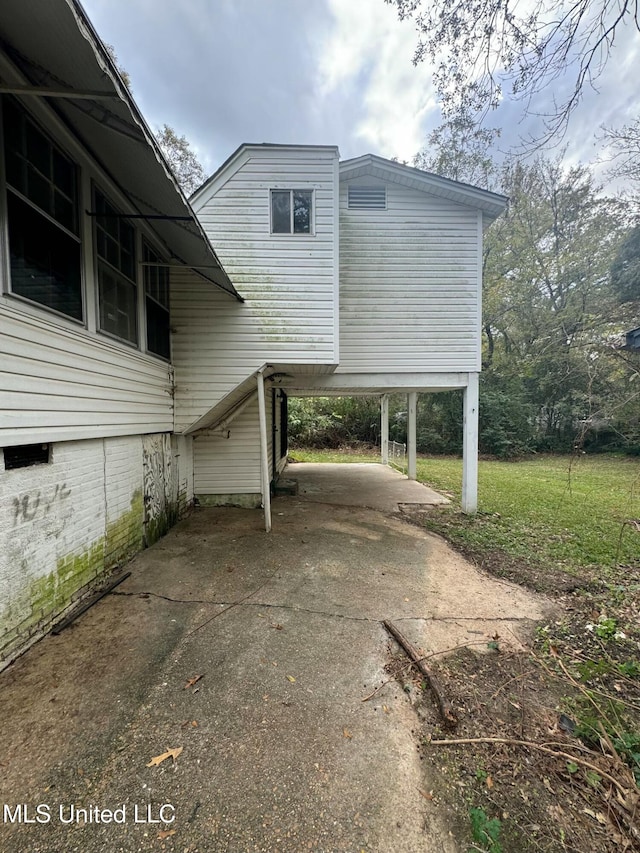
{"x":62,"y":380}
{"x":58,"y":382}
{"x":230,"y":467}
{"x":288,"y":281}
{"x":409,"y":284}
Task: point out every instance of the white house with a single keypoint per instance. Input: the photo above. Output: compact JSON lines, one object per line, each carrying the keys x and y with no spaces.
{"x":133,"y":375}
{"x":360,"y":277}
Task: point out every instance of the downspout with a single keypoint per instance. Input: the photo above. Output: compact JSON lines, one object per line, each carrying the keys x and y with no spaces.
{"x":264,"y":452}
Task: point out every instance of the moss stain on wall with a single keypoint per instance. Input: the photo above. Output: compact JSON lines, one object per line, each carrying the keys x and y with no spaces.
{"x":46,"y":598}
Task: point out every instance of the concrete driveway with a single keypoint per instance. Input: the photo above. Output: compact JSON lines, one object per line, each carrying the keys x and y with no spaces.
{"x":283,"y":633}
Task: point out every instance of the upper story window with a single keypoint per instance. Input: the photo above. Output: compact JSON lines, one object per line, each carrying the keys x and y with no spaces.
{"x":367,"y":198}
{"x":117,"y":288}
{"x":42,"y":211}
{"x":291,"y":211}
{"x":156,"y":292}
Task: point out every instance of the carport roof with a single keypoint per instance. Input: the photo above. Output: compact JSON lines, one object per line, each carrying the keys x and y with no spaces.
{"x":60,"y":56}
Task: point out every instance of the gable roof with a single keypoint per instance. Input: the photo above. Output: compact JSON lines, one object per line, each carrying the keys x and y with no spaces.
{"x":60,"y":56}
{"x":240,"y":156}
{"x":491,"y":204}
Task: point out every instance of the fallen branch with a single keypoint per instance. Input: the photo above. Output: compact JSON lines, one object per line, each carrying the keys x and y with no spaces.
{"x":446,"y":711}
{"x":426,"y":657}
{"x":533,"y":745}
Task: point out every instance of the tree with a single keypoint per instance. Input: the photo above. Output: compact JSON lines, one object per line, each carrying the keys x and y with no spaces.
{"x":177,"y":151}
{"x":184,"y":163}
{"x":550,"y":312}
{"x":625,"y":149}
{"x":460,"y":150}
{"x":482,"y":48}
{"x":126,"y":79}
{"x":625,"y":270}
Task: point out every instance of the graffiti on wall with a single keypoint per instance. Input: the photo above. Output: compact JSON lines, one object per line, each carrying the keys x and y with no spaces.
{"x":160,"y":484}
{"x":38,"y":503}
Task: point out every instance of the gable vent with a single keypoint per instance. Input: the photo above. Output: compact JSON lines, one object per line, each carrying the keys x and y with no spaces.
{"x":367,"y":198}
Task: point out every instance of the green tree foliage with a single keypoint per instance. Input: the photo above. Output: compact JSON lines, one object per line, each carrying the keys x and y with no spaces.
{"x":554,"y":374}
{"x":126,"y":79}
{"x":482,"y":48}
{"x":184,"y":163}
{"x":624,"y":143}
{"x":460,"y":150}
{"x":625,"y":270}
{"x":551,"y":316}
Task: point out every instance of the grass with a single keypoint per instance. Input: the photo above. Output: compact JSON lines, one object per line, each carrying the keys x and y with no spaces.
{"x":566,"y":511}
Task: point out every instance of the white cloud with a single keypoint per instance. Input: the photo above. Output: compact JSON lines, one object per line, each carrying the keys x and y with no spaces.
{"x":369,"y":50}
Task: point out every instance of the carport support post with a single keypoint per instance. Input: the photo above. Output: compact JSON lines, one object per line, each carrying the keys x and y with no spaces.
{"x":384,"y":428}
{"x":470,"y":446}
{"x":264,"y":454}
{"x":411,"y":435}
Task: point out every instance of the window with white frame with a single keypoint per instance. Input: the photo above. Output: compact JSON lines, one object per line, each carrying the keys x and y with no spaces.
{"x":291,"y":211}
{"x":42,"y":211}
{"x":42,"y":198}
{"x":156,"y":293}
{"x":116,"y":255}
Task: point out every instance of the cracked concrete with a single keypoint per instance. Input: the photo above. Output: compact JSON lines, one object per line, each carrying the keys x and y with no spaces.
{"x":280,"y":753}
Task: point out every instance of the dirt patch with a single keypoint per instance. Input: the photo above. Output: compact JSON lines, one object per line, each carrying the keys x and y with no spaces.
{"x":572,"y":693}
{"x":530,"y":571}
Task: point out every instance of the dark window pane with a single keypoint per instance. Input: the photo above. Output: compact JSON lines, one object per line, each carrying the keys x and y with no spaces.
{"x":16,"y":171}
{"x":163,"y":287}
{"x":38,"y":150}
{"x":113,"y":252}
{"x":127,"y":265}
{"x":45,"y":262}
{"x":13,"y":126}
{"x":63,"y":211}
{"x":158,"y":332}
{"x":117,"y":305}
{"x":63,"y":174}
{"x":101,"y":243}
{"x":302,"y":211}
{"x":38,"y":190}
{"x":127,"y":236}
{"x":281,"y":212}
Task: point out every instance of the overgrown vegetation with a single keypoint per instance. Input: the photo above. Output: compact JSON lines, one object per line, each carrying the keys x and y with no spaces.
{"x":568,"y":526}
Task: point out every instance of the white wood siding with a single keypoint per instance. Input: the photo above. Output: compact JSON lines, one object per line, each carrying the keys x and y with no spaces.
{"x":58,"y":383}
{"x":409,"y":284}
{"x":288,"y":281}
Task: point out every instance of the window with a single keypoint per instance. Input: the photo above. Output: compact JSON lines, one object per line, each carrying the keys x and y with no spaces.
{"x":156,"y":294}
{"x":117,"y":290}
{"x":42,"y":212}
{"x":25,"y":455}
{"x":291,"y":211}
{"x":367,"y":198}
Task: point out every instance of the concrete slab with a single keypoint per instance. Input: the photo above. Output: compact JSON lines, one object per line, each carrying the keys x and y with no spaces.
{"x":365,"y":484}
{"x":280,"y":753}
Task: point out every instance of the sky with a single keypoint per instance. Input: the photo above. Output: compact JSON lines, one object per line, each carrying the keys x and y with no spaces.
{"x":333,"y":72}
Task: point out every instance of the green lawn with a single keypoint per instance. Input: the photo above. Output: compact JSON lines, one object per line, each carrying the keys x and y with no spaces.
{"x":568,"y":512}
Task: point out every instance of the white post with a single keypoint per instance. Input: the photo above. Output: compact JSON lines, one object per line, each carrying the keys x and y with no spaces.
{"x":470,"y":446}
{"x":264,"y":454}
{"x":384,"y":428}
{"x":411,"y":435}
